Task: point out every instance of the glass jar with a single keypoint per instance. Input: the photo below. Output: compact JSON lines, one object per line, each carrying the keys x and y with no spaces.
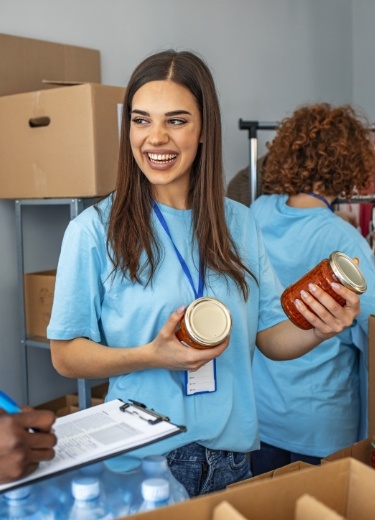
{"x":338,"y":268}
{"x":206,"y":323}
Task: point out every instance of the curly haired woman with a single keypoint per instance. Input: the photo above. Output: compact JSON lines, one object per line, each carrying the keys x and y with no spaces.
{"x":314,"y":405}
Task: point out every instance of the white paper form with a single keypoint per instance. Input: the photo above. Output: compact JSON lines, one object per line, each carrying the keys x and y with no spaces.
{"x":98,"y":432}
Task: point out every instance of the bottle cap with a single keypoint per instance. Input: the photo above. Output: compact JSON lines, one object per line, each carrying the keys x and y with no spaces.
{"x":18,"y":494}
{"x":85,"y":488}
{"x":154,"y":464}
{"x":155,"y":489}
{"x":208,"y":321}
{"x":348,"y":272}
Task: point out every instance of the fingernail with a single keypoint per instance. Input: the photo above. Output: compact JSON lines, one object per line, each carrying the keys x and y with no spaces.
{"x":180,"y":310}
{"x":304,"y":294}
{"x":312,"y":287}
{"x":335,"y":285}
{"x":297,"y":303}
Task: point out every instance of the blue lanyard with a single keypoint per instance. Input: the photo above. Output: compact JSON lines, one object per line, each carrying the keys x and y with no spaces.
{"x":199,"y":293}
{"x":323,"y":199}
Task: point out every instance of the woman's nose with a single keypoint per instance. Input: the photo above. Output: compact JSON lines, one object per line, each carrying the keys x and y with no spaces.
{"x":158,"y":134}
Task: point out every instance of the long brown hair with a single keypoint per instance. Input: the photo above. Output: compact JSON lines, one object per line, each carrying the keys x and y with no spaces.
{"x":130,"y":233}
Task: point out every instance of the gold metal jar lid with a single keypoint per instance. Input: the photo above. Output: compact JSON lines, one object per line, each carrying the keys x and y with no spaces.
{"x":208,"y":321}
{"x":347,"y":272}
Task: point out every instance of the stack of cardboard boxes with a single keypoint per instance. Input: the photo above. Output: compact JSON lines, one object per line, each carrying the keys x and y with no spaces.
{"x":59,"y":137}
{"x":58,"y":124}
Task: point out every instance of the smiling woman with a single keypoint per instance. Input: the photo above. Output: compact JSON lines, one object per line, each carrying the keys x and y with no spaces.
{"x":165,"y":144}
{"x":166,"y":237}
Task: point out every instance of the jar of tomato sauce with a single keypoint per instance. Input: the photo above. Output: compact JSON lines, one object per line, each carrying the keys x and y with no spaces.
{"x":338,"y":268}
{"x":206,"y":323}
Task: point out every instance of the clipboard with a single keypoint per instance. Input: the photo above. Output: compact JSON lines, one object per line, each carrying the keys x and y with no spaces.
{"x":98,"y":433}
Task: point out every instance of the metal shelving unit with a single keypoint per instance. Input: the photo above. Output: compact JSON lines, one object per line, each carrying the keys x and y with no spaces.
{"x":76,"y":205}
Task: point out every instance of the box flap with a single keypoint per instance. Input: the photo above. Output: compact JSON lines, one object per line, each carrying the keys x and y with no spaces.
{"x":309,"y":508}
{"x":283,"y":470}
{"x":63,"y":83}
{"x":225,"y":511}
{"x":360,"y":451}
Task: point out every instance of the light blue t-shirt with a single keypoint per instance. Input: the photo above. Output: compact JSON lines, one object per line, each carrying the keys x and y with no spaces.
{"x":316,"y":404}
{"x":89,"y":302}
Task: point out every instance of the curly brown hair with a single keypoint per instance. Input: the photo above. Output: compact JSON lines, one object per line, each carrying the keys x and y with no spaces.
{"x":321,"y":145}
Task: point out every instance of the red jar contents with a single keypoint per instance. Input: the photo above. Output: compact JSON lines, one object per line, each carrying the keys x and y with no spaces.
{"x":373,"y":454}
{"x":338,"y":268}
{"x":206,"y":323}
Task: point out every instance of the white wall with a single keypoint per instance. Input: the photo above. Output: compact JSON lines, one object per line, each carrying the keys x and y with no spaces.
{"x":267,"y":57}
{"x":364,"y":56}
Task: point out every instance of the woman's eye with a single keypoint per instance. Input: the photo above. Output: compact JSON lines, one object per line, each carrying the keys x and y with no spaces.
{"x":139,"y":120}
{"x":177,"y":121}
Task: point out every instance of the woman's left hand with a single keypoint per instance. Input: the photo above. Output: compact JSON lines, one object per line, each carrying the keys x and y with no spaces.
{"x":330,"y":317}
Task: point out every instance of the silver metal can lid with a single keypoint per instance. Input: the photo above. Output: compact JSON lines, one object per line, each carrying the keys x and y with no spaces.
{"x":347,"y":272}
{"x":208,"y":321}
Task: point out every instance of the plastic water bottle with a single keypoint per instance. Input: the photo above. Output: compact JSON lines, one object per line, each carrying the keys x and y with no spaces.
{"x":21,"y":503}
{"x":88,"y":500}
{"x":155,"y":493}
{"x":118,"y":488}
{"x":157,"y":466}
{"x":55,"y":494}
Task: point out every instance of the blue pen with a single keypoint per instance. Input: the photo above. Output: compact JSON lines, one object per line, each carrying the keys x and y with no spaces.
{"x":7,"y":403}
{"x":10,"y":406}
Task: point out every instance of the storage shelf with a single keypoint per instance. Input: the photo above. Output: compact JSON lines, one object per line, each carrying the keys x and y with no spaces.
{"x":76,"y":205}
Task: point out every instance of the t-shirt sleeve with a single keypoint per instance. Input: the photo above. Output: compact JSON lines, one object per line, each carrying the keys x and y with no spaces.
{"x":78,"y":290}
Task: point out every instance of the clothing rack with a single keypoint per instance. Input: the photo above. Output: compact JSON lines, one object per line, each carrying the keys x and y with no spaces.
{"x":252,"y":127}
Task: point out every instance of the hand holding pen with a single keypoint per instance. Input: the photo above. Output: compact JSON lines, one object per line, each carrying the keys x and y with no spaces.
{"x":26,"y":439}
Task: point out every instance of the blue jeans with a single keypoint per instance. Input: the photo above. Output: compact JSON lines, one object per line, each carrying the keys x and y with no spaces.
{"x":202,"y":470}
{"x":269,"y":458}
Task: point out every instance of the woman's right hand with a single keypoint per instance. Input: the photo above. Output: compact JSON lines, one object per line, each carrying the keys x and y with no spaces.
{"x":170,"y":353}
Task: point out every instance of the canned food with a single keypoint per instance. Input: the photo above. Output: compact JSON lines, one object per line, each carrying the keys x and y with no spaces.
{"x":338,"y":268}
{"x":206,"y":323}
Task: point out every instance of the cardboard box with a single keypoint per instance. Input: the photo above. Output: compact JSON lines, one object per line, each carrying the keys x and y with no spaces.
{"x":345,"y":486}
{"x":360,"y":451}
{"x":100,"y":391}
{"x":26,"y":62}
{"x":371,"y":376}
{"x":61,"y":142}
{"x":61,"y":405}
{"x":225,"y":511}
{"x":308,"y":508}
{"x":39,"y":289}
{"x":284,"y":470}
{"x":65,"y":404}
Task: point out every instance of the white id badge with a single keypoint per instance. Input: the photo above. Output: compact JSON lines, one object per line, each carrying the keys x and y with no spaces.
{"x":202,"y":380}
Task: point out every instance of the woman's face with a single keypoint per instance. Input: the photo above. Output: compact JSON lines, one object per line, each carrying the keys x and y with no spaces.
{"x":164,"y":136}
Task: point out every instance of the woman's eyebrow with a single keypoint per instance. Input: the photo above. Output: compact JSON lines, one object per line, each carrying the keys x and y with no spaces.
{"x":172,"y":113}
{"x":177,"y":112}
